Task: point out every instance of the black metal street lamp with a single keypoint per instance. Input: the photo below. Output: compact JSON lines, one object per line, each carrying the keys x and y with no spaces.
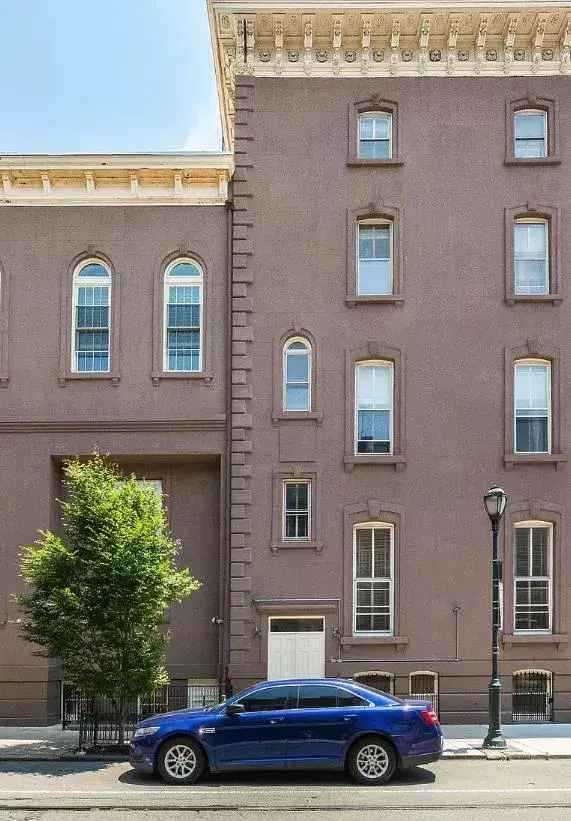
{"x":495,"y":501}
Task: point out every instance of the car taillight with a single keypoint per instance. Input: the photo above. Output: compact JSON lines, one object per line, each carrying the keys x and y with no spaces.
{"x":429,"y":717}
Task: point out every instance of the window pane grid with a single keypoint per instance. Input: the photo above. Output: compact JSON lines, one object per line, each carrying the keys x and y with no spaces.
{"x":374,"y":270}
{"x":532,"y":407}
{"x":297,"y":376}
{"x":91,"y":333}
{"x":531,"y":257}
{"x":375,"y":137}
{"x":374,"y":408}
{"x":373,"y":582}
{"x":530,"y":134}
{"x":532,"y":579}
{"x":183,"y":318}
{"x":296,"y":506}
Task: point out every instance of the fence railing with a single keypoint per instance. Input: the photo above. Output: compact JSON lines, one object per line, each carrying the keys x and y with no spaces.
{"x":97,"y":718}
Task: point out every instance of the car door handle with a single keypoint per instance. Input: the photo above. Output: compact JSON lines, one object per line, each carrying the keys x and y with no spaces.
{"x":276,"y":720}
{"x":349,"y":718}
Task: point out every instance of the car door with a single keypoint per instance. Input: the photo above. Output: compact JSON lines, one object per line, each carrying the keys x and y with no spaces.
{"x":256,"y":737}
{"x":322,"y":724}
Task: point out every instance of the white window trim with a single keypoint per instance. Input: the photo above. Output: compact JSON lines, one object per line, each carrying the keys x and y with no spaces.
{"x":95,"y":282}
{"x":307,"y":352}
{"x":531,"y":524}
{"x":391,"y":529}
{"x":369,"y":115}
{"x":379,"y":363}
{"x":527,"y":112}
{"x":285,"y":483}
{"x":531,"y":361}
{"x":376,"y":222}
{"x":197,"y":282}
{"x":533,"y":221}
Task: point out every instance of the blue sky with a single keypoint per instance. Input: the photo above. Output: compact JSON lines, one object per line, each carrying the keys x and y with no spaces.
{"x":106,"y":76}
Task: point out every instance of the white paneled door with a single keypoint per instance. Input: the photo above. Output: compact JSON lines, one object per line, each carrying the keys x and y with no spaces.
{"x":296,"y":647}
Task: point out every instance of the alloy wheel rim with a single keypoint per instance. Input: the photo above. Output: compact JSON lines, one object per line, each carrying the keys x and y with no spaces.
{"x":372,"y":761}
{"x":180,"y":761}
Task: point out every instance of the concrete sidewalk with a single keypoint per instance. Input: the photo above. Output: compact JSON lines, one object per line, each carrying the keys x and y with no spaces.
{"x":461,"y":741}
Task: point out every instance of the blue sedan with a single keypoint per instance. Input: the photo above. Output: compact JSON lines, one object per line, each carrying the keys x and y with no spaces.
{"x":296,"y":724}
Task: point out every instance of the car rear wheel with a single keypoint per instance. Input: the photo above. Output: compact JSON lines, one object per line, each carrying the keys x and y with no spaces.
{"x":180,"y":761}
{"x":372,"y":761}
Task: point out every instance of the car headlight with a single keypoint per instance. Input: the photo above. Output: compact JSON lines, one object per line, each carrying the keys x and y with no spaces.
{"x":145,"y":731}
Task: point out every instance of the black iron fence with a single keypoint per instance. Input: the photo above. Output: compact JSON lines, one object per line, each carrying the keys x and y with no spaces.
{"x":97,"y":718}
{"x":532,"y":696}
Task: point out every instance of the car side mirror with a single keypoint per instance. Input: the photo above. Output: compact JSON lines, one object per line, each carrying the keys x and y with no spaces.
{"x":235,"y":709}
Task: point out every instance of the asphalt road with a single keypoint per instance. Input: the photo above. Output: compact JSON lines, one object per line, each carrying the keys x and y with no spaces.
{"x":459,"y":790}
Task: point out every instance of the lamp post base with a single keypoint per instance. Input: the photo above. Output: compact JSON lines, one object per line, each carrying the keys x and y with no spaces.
{"x":494,"y":741}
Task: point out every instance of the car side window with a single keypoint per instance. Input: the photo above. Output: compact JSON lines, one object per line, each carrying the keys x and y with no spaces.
{"x":347,"y":699}
{"x":269,"y":698}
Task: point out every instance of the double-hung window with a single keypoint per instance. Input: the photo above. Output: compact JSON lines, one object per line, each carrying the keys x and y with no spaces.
{"x":91,"y":352}
{"x":532,"y":405}
{"x":183,"y":317}
{"x":297,"y":375}
{"x":375,"y":136}
{"x":374,"y":258}
{"x":374,"y":391}
{"x":530,"y":133}
{"x":531,"y":256}
{"x":296,"y":511}
{"x":373,"y":573}
{"x":533,"y":577}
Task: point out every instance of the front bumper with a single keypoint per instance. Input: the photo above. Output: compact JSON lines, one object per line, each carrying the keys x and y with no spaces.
{"x":141,"y":757}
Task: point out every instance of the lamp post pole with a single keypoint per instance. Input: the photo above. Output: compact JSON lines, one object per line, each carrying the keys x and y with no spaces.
{"x":495,"y":503}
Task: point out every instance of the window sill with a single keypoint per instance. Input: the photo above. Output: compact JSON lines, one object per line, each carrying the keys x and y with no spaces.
{"x":70,"y":376}
{"x":302,"y":416}
{"x":513,"y":459}
{"x":203,"y":376}
{"x":398,"y":462}
{"x":293,"y":545}
{"x":358,"y":162}
{"x":554,"y":299}
{"x":384,"y":299}
{"x":532,"y":161}
{"x":388,"y":641}
{"x":534,"y":638}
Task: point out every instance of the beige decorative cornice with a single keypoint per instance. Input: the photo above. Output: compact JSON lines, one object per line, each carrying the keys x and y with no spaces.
{"x":271,"y":38}
{"x":185,"y":178}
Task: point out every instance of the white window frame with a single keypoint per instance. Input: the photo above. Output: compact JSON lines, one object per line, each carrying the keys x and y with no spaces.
{"x":391,"y":529}
{"x":533,"y":523}
{"x":527,"y":112}
{"x":532,"y":221}
{"x":197,"y":282}
{"x":90,"y":282}
{"x":547,"y":364}
{"x":370,"y":115}
{"x":308,"y":352}
{"x":383,"y":363}
{"x":285,"y":484}
{"x":376,"y":223}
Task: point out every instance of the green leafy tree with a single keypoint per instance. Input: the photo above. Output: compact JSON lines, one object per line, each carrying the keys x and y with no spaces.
{"x":97,"y":593}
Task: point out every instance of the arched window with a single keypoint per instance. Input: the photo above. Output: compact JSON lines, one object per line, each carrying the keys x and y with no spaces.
{"x":297,"y":375}
{"x":373,"y":578}
{"x":530,"y":133}
{"x":91,"y":334}
{"x":183,"y":316}
{"x":423,"y":685}
{"x":532,"y":403}
{"x":375,"y":135}
{"x":532,"y":696}
{"x":377,"y":679}
{"x":374,"y":404}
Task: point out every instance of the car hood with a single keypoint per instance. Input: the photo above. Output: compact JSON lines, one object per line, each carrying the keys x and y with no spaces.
{"x":194,"y":712}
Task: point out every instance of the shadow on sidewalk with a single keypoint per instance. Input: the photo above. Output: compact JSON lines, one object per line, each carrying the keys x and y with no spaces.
{"x":315,"y":778}
{"x":51,"y":769}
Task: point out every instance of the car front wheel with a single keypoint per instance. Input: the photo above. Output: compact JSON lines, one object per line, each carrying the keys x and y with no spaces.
{"x":180,"y":761}
{"x":372,"y":761}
